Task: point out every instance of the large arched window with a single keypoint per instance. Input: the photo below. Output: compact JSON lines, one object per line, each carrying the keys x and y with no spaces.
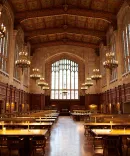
{"x":126,"y":42}
{"x":4,"y":42}
{"x":18,"y":47}
{"x":113,"y":49}
{"x":64,"y":76}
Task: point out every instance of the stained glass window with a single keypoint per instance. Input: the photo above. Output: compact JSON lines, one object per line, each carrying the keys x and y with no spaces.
{"x":64,"y":77}
{"x":126,"y":44}
{"x":4,"y":42}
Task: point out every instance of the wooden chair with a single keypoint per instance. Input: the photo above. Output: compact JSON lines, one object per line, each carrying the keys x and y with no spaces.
{"x":111,"y":146}
{"x":37,"y":142}
{"x":97,"y":142}
{"x":3,"y":144}
{"x":128,"y":145}
{"x":15,"y":143}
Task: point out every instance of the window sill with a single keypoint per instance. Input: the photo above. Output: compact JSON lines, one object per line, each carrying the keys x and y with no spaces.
{"x":112,"y":81}
{"x":4,"y":73}
{"x":125,"y":74}
{"x":104,"y":86}
{"x":25,"y":86}
{"x":16,"y":80}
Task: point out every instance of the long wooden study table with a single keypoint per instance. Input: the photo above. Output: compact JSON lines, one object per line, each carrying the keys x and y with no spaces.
{"x":112,"y":133}
{"x":26,"y":134}
{"x":107,"y":124}
{"x":32,"y":125}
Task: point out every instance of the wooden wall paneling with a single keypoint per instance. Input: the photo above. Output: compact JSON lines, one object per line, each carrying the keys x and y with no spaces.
{"x":102,"y":102}
{"x":123,"y":93}
{"x":42,"y":101}
{"x":3,"y":97}
{"x":120,"y":98}
{"x":35,"y":100}
{"x":116,"y":95}
{"x":19,"y":101}
{"x":47,"y":100}
{"x":64,"y":104}
{"x":82,"y":100}
{"x":127,"y":89}
{"x":10,"y":98}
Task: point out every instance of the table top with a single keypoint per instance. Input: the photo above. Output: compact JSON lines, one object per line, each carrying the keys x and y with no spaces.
{"x":24,"y":132}
{"x":106,"y":124}
{"x":37,"y":117}
{"x":80,"y":113}
{"x":111,"y":132}
{"x":52,"y":114}
{"x":26,"y":124}
{"x":45,"y":120}
{"x":17,"y":119}
{"x":110,"y":115}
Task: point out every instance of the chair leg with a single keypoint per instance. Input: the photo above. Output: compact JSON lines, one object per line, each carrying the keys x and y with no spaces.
{"x":127,"y":151}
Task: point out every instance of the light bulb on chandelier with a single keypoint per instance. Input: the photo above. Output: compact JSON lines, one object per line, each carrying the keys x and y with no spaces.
{"x":2,"y":31}
{"x":110,"y":62}
{"x":88,"y":82}
{"x":35,"y":74}
{"x":42,"y":83}
{"x":23,"y":61}
{"x":96,"y":75}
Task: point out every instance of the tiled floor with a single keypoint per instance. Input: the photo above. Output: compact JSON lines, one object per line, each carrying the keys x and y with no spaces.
{"x":67,"y":139}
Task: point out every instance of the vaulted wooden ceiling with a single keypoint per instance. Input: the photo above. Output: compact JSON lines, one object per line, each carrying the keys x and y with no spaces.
{"x":56,"y":22}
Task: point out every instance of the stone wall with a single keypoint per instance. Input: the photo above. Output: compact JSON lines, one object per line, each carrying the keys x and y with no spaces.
{"x":85,"y":57}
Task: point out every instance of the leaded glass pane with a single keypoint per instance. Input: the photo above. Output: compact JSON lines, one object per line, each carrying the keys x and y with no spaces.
{"x":64,"y":76}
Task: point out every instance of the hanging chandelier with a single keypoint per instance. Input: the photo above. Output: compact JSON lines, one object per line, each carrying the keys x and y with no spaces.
{"x":84,"y":87}
{"x":96,"y":75}
{"x":35,"y":74}
{"x":42,"y":83}
{"x":45,"y":87}
{"x":2,"y":31}
{"x":64,"y":91}
{"x":23,"y":61}
{"x":88,"y":82}
{"x":110,"y":62}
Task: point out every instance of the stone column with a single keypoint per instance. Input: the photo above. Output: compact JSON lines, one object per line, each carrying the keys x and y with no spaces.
{"x":11,"y":56}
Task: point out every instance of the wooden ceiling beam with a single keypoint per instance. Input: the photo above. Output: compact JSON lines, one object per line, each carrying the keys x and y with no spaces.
{"x":57,"y":43}
{"x":32,"y":34}
{"x":108,"y":17}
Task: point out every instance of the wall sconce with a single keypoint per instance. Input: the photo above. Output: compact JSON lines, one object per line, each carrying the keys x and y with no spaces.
{"x":110,"y":107}
{"x":7,"y":104}
{"x":118,"y":106}
{"x":12,"y":105}
{"x":22,"y":106}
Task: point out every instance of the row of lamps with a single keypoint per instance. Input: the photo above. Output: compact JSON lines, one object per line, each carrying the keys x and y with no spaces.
{"x":41,"y":81}
{"x":23,"y":62}
{"x":110,"y":63}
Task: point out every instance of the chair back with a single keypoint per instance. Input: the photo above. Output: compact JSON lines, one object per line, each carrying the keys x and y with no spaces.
{"x":15,"y":142}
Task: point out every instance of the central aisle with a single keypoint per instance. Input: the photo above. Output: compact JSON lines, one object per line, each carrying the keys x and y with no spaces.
{"x":67,"y":139}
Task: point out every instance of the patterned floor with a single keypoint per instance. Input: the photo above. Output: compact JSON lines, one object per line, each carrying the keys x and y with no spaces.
{"x":67,"y":139}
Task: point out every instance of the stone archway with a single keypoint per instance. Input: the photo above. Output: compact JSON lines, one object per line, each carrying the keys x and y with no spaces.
{"x":69,"y":56}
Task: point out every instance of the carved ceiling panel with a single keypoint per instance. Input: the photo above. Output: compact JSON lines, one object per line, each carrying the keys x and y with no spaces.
{"x":65,"y":37}
{"x":82,"y":21}
{"x":106,"y":5}
{"x":68,"y":20}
